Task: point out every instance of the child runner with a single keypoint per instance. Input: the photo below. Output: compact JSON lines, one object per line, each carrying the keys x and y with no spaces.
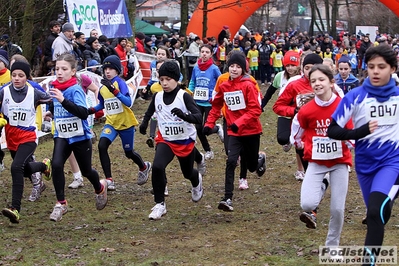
{"x":91,"y":91}
{"x":18,"y":104}
{"x":373,"y":109}
{"x":324,"y":155}
{"x":242,"y":182}
{"x":72,"y":134}
{"x":202,"y":83}
{"x":344,"y":79}
{"x":288,"y":104}
{"x":176,"y":112}
{"x":114,"y":97}
{"x":241,"y":99}
{"x":253,"y":59}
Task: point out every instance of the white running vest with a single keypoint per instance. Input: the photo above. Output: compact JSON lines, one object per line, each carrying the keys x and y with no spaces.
{"x":171,"y":127}
{"x":20,"y":114}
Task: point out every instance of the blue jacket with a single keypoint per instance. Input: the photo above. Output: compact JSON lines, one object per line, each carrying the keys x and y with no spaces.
{"x":204,"y":79}
{"x":346,"y":85}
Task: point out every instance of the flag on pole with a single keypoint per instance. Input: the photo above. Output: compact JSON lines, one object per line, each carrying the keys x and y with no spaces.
{"x":301,"y":9}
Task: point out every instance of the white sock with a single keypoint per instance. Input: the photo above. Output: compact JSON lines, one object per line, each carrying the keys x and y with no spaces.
{"x":77,"y":175}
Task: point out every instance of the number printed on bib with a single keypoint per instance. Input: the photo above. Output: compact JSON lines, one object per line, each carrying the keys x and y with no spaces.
{"x":113,"y":106}
{"x":235,"y":100}
{"x":385,"y":113}
{"x":18,"y":116}
{"x":254,"y":59}
{"x":324,"y":148}
{"x":201,"y":94}
{"x":174,"y":130}
{"x":69,"y":127}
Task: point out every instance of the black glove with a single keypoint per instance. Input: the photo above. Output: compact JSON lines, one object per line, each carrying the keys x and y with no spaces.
{"x":109,"y":86}
{"x":179,"y":113}
{"x":148,"y":88}
{"x":207,"y":131}
{"x":91,"y":110}
{"x":143,"y":128}
{"x":234,"y":128}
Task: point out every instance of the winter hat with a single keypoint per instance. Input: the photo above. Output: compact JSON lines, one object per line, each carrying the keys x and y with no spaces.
{"x":344,"y":59}
{"x":226,"y":27}
{"x":22,"y":66}
{"x":291,"y":58}
{"x":170,"y":69}
{"x":312,"y":59}
{"x":91,"y":40}
{"x":67,"y":27}
{"x":121,"y":39}
{"x":4,"y":37}
{"x":147,"y":39}
{"x":113,"y":62}
{"x":4,"y":57}
{"x":239,"y":59}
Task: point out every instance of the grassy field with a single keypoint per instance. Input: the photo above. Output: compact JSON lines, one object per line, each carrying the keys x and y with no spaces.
{"x":264,"y":228}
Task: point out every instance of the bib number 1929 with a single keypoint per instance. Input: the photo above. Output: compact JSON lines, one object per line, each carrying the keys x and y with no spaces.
{"x":69,"y":127}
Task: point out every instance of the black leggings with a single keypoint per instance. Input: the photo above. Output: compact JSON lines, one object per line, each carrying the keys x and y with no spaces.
{"x":22,"y":167}
{"x":103,"y":146}
{"x":204,"y":141}
{"x":82,"y":151}
{"x":283,"y":130}
{"x":243,"y":164}
{"x":248,"y":148}
{"x":163,"y":156}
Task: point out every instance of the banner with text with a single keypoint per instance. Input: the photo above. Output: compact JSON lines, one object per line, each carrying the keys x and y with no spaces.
{"x":109,"y":18}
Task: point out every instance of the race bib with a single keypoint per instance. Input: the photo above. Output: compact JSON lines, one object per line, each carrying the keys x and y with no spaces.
{"x":174,"y":130}
{"x":113,"y":106}
{"x":385,"y":113}
{"x":19,"y":116}
{"x":69,"y":127}
{"x":154,"y":76}
{"x":234,"y":100}
{"x":279,"y":56}
{"x":324,"y":148}
{"x":254,"y":59}
{"x":201,"y":94}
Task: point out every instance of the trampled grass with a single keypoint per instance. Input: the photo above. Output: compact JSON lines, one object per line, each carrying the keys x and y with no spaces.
{"x":264,"y":228}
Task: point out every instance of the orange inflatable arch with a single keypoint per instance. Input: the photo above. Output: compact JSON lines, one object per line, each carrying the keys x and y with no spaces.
{"x":234,"y":15}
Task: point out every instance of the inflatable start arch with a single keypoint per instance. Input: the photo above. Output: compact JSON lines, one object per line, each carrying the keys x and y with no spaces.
{"x":234,"y":14}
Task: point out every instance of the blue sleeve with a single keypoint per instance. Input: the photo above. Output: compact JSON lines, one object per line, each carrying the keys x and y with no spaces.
{"x":100,"y":104}
{"x":36,"y":85}
{"x":152,"y":65}
{"x":123,"y":94}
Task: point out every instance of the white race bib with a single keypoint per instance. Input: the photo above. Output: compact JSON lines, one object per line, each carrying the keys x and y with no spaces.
{"x":113,"y":106}
{"x":279,"y":56}
{"x":19,"y":116}
{"x":69,"y":127}
{"x":324,"y":148}
{"x":154,"y":76}
{"x":385,"y":113}
{"x":234,"y":100}
{"x":201,"y":94}
{"x":254,"y":59}
{"x":174,"y":130}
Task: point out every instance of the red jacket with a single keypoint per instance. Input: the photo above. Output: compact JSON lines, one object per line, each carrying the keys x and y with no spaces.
{"x":246,"y":119}
{"x":139,"y":46}
{"x":122,"y":55}
{"x":286,"y":102}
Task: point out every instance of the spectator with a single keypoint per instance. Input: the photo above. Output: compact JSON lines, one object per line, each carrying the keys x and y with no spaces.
{"x":80,"y":40}
{"x":94,"y":33}
{"x":47,"y":61}
{"x":63,"y":43}
{"x":140,"y":37}
{"x":106,"y":49}
{"x":120,"y":50}
{"x":7,"y":45}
